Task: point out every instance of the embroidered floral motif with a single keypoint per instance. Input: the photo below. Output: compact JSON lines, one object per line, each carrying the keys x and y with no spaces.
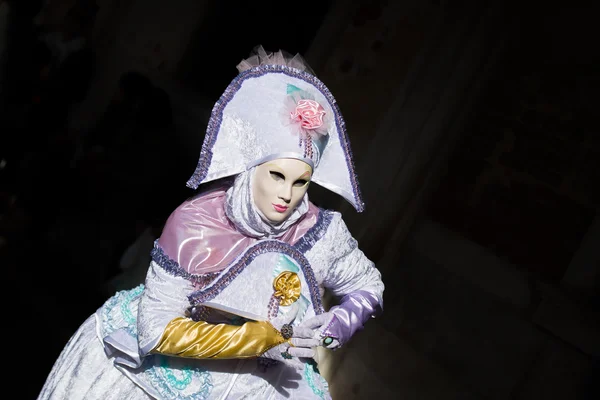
{"x":177,"y":382}
{"x":119,"y":311}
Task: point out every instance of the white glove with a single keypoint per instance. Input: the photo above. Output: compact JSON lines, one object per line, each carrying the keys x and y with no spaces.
{"x":301,"y":345}
{"x":318,"y":324}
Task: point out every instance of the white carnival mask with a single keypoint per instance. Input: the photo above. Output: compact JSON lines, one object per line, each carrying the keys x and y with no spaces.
{"x":279,"y":186}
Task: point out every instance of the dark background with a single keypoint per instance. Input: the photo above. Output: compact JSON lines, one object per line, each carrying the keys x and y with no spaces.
{"x":475,"y":134}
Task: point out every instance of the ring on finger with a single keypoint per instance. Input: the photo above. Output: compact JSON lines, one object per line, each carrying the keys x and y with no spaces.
{"x":285,"y":354}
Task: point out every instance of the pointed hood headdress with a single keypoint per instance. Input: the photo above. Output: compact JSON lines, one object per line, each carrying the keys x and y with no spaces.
{"x":277,"y":108}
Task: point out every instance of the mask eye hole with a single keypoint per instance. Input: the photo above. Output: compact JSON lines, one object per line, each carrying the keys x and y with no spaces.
{"x":278,"y":176}
{"x":300,"y":183}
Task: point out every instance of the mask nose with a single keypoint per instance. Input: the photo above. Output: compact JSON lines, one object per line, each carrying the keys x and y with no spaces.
{"x":285,"y":193}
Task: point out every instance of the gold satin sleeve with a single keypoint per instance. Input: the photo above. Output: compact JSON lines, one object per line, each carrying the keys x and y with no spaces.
{"x":184,"y":337}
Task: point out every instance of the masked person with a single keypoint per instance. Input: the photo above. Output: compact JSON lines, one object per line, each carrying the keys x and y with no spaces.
{"x":232,"y":302}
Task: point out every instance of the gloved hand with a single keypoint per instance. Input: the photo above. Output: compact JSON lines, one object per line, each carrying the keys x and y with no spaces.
{"x":335,"y":327}
{"x":301,"y":344}
{"x":319,"y":324}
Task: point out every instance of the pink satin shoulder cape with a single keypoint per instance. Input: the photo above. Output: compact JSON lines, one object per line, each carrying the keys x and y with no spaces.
{"x":201,"y":239}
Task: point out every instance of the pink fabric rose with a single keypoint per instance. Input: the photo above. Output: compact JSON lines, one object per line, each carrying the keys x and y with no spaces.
{"x":309,"y":113}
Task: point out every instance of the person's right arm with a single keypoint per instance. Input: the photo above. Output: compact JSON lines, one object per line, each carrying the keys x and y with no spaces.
{"x":163,"y":327}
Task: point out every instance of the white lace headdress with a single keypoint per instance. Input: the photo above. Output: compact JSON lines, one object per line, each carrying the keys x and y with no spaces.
{"x":277,"y":108}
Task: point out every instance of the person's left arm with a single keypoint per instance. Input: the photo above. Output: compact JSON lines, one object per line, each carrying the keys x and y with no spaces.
{"x":353,"y":278}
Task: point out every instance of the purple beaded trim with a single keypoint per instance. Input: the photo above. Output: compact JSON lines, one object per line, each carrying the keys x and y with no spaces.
{"x":273,"y":306}
{"x":216,"y":118}
{"x":201,"y":296}
{"x":315,"y":233}
{"x":328,"y":331}
{"x":173,"y":268}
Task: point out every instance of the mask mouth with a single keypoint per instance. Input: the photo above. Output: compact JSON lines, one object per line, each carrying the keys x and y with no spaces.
{"x":280,"y":208}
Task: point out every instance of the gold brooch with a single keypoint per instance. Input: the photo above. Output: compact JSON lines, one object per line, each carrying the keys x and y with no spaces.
{"x":287,"y":287}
